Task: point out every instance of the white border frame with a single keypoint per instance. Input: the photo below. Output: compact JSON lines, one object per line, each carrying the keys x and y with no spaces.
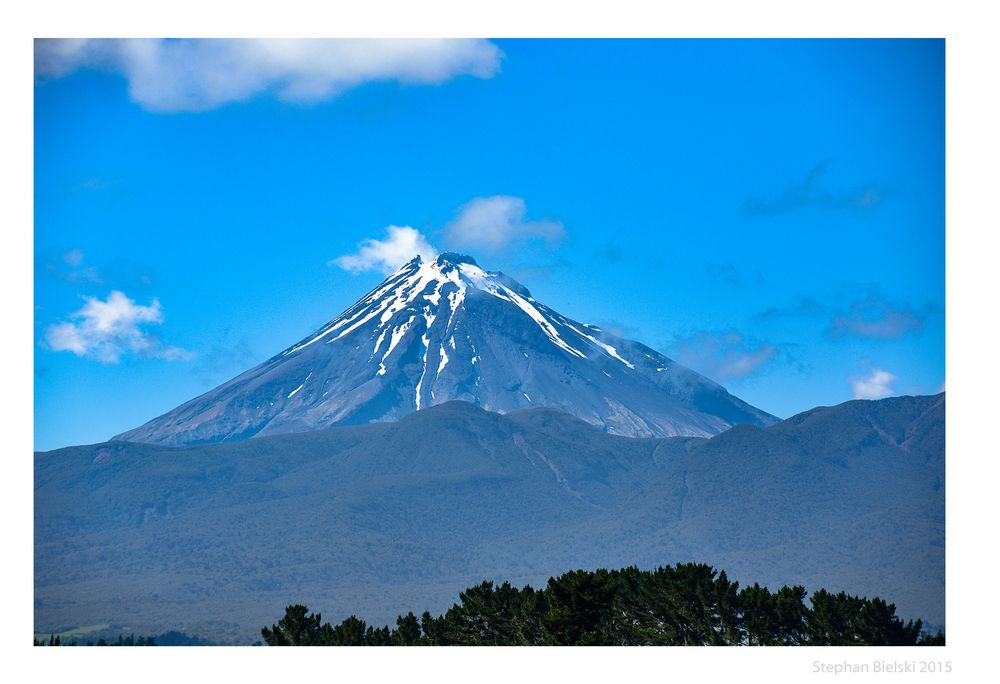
{"x":972,"y":116}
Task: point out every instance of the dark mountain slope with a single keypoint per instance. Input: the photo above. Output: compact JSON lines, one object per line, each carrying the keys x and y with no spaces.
{"x":847,"y":497}
{"x":214,"y":540}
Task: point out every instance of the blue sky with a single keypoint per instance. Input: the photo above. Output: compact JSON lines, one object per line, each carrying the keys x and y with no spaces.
{"x":770,"y":213}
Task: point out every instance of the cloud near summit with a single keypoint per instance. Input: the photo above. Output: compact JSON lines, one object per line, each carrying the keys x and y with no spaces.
{"x":401,"y":244}
{"x":487,"y":223}
{"x":189,"y":75}
{"x":494,"y":222}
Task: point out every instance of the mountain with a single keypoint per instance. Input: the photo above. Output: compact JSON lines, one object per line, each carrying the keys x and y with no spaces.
{"x":215,"y":540}
{"x":850,"y":497}
{"x":448,"y":330}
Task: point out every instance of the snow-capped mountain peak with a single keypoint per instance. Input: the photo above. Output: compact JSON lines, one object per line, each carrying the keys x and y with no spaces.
{"x":438,"y":289}
{"x":447,"y":329}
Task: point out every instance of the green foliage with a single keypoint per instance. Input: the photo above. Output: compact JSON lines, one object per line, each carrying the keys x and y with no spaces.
{"x":488,"y":616}
{"x":580,"y":608}
{"x":130,"y":640}
{"x":928,"y":639}
{"x":298,"y":628}
{"x":350,"y":632}
{"x":690,"y":605}
{"x":684,"y":605}
{"x":843,"y":620}
{"x":408,"y":631}
{"x":773,"y":619}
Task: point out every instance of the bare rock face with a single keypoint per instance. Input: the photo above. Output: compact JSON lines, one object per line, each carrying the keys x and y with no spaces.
{"x":445,"y":330}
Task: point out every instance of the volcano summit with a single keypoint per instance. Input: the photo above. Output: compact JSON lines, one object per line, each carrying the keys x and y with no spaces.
{"x":447,"y":329}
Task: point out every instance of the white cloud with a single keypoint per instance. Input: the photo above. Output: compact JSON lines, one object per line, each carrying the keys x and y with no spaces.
{"x":485,"y":222}
{"x":197,"y":75}
{"x":494,"y":222}
{"x":104,"y":330}
{"x":875,"y":385}
{"x":724,"y":355}
{"x":402,"y":243}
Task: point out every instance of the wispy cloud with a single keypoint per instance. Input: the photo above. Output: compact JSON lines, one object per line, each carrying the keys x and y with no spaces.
{"x":864,"y":313}
{"x":543,"y":270}
{"x":803,"y":307}
{"x":876,"y":385}
{"x":98,"y":184}
{"x":812,"y":193}
{"x":70,"y":267}
{"x":401,"y":244}
{"x":723,"y":355}
{"x":876,"y":317}
{"x":497,"y":221}
{"x":73,"y":257}
{"x":105,"y":330}
{"x":225,"y":357}
{"x":197,"y":75}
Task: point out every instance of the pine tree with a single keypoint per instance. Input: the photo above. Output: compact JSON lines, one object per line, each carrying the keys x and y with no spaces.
{"x":759,"y":608}
{"x":928,"y":639}
{"x":579,"y":608}
{"x":408,"y":631}
{"x":380,"y":636}
{"x":296,"y":628}
{"x":350,"y":632}
{"x":790,"y":615}
{"x":435,"y":629}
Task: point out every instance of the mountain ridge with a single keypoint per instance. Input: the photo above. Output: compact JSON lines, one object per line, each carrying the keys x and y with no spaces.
{"x":214,"y":539}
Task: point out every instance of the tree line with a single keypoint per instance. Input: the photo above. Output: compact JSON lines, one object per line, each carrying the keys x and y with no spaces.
{"x":130,"y":640}
{"x":689,"y":604}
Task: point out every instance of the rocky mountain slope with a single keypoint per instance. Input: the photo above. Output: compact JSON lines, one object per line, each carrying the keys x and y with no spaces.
{"x":445,"y":330}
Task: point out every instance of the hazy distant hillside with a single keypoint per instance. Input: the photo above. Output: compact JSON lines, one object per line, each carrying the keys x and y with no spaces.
{"x":849,"y":497}
{"x":215,"y":540}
